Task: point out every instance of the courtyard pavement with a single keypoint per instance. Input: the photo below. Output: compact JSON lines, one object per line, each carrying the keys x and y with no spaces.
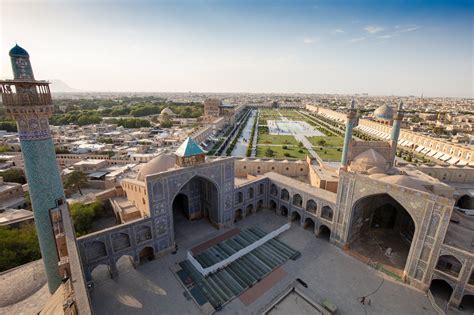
{"x":152,"y":288}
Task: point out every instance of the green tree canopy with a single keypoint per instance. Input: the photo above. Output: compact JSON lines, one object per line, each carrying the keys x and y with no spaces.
{"x":76,"y":179}
{"x":18,"y":246}
{"x":321,"y":142}
{"x":269,"y":152}
{"x":83,"y":215}
{"x":14,"y":175}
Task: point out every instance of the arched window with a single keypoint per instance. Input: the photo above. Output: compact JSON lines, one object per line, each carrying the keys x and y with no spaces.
{"x":327,"y":213}
{"x":449,"y":264}
{"x":311,"y":206}
{"x":261,"y":189}
{"x":285,"y":195}
{"x":297,"y":200}
{"x":273,"y":190}
{"x":250,"y":193}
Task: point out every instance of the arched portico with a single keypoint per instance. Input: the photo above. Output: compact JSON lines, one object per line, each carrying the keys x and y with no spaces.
{"x":465,"y":202}
{"x":467,"y":303}
{"x":146,"y":254}
{"x":441,"y":291}
{"x":309,"y":225}
{"x":125,"y":263}
{"x":100,"y":273}
{"x":382,"y":230}
{"x":295,"y":217}
{"x":197,"y":199}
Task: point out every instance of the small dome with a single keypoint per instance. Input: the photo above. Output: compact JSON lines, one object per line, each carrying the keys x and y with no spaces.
{"x":17,"y":51}
{"x":161,"y":163}
{"x":167,"y":111}
{"x":384,"y":112}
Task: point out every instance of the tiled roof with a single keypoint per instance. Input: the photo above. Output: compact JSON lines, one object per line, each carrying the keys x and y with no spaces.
{"x":189,"y":148}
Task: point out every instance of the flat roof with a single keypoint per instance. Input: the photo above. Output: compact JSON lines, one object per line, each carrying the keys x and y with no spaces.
{"x":9,"y":216}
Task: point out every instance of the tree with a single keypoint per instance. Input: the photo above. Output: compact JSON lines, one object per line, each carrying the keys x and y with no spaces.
{"x":269,"y":152}
{"x":76,"y":179}
{"x":321,"y":142}
{"x":300,"y":144}
{"x":166,"y":123}
{"x":285,"y":147}
{"x":14,"y":176}
{"x":18,"y":246}
{"x":83,"y":215}
{"x":61,"y":150}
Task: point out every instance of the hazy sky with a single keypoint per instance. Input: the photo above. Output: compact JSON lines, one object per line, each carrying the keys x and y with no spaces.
{"x":378,"y":47}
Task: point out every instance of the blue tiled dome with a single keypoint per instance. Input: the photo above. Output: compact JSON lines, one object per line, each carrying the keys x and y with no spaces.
{"x":384,"y":112}
{"x":17,"y":51}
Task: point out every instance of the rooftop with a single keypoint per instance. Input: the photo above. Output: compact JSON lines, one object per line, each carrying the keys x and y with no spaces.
{"x":189,"y":148}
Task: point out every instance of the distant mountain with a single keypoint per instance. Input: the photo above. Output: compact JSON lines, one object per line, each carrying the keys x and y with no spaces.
{"x":58,"y":86}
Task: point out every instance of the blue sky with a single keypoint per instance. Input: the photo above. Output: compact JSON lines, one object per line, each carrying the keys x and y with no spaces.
{"x":375,"y":47}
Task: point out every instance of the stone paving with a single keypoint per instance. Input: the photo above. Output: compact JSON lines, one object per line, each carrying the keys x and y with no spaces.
{"x":329,"y":273}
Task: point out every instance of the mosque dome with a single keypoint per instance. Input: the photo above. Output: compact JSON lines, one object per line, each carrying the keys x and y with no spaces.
{"x":384,"y":112}
{"x":369,"y":159}
{"x":167,"y":111}
{"x":17,"y":51}
{"x":161,"y":163}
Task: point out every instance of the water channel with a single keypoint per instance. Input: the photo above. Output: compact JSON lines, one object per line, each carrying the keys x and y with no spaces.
{"x":240,"y":148}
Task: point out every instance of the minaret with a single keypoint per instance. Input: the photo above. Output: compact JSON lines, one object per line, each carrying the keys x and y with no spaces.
{"x":397,"y":121}
{"x":29,"y":102}
{"x":350,"y":123}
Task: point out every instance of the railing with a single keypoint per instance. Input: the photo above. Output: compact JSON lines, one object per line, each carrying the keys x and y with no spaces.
{"x":236,"y":255}
{"x":31,"y":93}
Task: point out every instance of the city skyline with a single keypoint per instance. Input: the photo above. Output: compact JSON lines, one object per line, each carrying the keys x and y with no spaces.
{"x":395,"y":48}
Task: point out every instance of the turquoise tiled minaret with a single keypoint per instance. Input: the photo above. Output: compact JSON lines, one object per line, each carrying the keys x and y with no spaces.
{"x":350,"y":124}
{"x":29,"y":102}
{"x":397,"y":122}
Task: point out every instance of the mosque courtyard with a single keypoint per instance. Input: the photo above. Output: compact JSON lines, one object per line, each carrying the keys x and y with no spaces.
{"x":329,"y":273}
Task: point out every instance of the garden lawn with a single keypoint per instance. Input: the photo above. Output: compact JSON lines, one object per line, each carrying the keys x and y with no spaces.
{"x":279,"y":152}
{"x":328,"y":154}
{"x":265,"y":138}
{"x":330,"y":141}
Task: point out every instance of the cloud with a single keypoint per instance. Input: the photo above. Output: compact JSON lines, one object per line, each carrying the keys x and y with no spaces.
{"x":372,"y":29}
{"x":406,"y":29}
{"x":385,"y":36}
{"x":357,"y":39}
{"x":338,"y":31}
{"x":309,"y":40}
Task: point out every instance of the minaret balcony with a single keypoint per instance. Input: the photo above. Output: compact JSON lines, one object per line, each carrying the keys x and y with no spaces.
{"x":34,"y":95}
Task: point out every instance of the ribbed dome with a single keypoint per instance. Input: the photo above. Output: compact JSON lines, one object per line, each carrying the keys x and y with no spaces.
{"x":161,"y":163}
{"x":384,"y":112}
{"x":17,"y":51}
{"x":370,"y":157}
{"x":369,"y":160}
